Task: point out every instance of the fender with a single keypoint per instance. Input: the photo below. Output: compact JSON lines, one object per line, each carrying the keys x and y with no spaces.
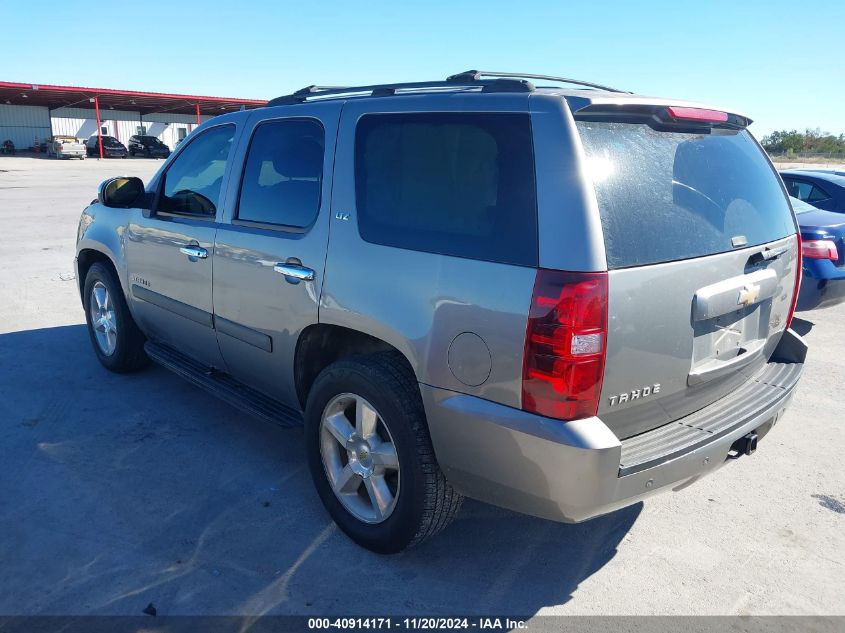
{"x":101,"y":229}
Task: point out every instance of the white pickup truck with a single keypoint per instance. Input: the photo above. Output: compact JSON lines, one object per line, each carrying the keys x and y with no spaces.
{"x":66,"y":147}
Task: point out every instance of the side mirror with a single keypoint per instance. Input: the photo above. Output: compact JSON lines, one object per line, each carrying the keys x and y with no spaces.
{"x":123,"y":192}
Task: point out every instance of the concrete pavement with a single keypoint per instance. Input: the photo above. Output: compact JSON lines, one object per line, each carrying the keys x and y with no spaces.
{"x":118,"y":491}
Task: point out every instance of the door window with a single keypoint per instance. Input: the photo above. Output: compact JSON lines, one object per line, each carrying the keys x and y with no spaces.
{"x":806,"y":191}
{"x":283,"y":176}
{"x":817,"y":194}
{"x":192,"y":182}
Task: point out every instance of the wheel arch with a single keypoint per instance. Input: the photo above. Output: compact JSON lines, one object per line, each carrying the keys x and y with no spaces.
{"x":87,"y":257}
{"x":322,"y":344}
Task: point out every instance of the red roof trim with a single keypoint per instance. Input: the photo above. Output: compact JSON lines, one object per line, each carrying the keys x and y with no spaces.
{"x":126,"y":93}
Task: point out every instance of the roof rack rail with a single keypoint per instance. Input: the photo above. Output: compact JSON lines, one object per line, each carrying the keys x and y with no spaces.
{"x":500,"y":84}
{"x":478,"y":75}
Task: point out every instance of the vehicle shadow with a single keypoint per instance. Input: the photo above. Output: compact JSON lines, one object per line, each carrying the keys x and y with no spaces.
{"x":801,"y":326}
{"x":125,"y":490}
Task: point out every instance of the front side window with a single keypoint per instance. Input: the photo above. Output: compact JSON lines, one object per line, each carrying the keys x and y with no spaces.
{"x":283,"y":174}
{"x":452,"y":183}
{"x":192,"y":182}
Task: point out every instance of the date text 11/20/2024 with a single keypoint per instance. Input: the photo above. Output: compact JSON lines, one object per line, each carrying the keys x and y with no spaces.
{"x":421,"y":623}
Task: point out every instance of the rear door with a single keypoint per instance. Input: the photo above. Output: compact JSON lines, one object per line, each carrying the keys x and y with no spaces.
{"x":270,"y":253}
{"x":701,"y":254}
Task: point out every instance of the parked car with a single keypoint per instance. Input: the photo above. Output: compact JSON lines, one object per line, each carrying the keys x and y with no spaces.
{"x":555,"y":300}
{"x":148,"y":146}
{"x":824,"y":189}
{"x":66,"y":147}
{"x":112,"y":148}
{"x":823,"y":251}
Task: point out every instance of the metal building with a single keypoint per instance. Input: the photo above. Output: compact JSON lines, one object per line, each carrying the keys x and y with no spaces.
{"x":30,"y":114}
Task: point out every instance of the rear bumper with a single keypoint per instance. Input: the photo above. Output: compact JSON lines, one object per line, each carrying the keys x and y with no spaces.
{"x":822,"y":285}
{"x":577,"y":470}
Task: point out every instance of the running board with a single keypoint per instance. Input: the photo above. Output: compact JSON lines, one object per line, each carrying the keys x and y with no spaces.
{"x":224,"y":386}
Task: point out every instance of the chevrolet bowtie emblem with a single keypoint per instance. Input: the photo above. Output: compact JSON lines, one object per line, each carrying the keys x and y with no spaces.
{"x":748,"y":295}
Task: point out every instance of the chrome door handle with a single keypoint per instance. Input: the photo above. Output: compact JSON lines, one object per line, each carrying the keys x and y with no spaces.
{"x":295,"y":272}
{"x":194,"y":251}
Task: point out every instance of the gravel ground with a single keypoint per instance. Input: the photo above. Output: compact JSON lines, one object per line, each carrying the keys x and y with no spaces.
{"x":118,"y":491}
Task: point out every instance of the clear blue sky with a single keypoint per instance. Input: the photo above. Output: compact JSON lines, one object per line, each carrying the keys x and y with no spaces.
{"x":782,"y":63}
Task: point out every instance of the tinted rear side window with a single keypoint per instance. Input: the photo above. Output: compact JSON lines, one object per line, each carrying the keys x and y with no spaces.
{"x":451,"y":183}
{"x":665,"y":196}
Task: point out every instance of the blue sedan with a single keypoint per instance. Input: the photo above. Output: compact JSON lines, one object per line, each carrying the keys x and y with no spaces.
{"x":823,"y":252}
{"x":822,"y":188}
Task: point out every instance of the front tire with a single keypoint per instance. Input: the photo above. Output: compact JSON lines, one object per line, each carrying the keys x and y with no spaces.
{"x":370,"y":454}
{"x":117,"y":341}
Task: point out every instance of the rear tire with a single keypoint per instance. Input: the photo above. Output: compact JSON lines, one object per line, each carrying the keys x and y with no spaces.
{"x":117,"y":341}
{"x":409,"y":499}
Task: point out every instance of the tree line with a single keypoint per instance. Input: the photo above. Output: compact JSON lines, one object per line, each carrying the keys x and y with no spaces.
{"x":809,"y":141}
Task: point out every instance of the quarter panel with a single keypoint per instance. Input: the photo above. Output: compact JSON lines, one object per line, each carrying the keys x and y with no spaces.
{"x":420,"y":302}
{"x":416,"y":301}
{"x":569,"y":224}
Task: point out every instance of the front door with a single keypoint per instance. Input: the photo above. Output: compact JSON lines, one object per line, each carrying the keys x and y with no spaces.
{"x":270,"y":251}
{"x":170,"y":253}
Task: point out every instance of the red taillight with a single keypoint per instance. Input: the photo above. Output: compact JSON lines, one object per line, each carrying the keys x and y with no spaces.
{"x":798,"y":264}
{"x":565,"y":344}
{"x":819,"y":249}
{"x":697,"y":114}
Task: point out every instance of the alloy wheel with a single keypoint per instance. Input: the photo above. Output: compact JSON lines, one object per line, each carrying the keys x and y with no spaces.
{"x":103,"y":319}
{"x":359,"y":458}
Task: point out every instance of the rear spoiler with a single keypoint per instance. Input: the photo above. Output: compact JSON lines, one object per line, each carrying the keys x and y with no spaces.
{"x":669,"y":118}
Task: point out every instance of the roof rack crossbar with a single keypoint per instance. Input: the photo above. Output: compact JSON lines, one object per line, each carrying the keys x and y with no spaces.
{"x":478,"y":75}
{"x":379,"y":90}
{"x":312,"y":89}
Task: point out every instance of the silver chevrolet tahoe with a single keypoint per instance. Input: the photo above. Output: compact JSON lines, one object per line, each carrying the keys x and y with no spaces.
{"x":541,"y":293}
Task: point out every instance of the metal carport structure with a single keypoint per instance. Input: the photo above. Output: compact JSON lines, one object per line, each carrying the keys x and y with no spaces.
{"x":144,"y":103}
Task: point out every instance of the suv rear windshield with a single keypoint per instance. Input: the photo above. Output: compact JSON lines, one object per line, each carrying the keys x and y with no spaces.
{"x":665,"y":196}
